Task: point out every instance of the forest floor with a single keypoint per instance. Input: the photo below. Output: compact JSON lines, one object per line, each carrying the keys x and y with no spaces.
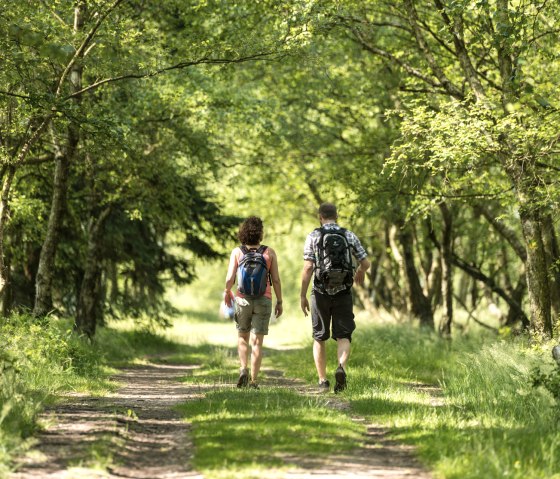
{"x":137,"y":433}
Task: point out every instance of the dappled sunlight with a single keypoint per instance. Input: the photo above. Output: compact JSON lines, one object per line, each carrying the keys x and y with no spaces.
{"x":133,"y":432}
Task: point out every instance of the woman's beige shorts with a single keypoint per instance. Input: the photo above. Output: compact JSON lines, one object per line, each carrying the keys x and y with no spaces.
{"x":253,"y":314}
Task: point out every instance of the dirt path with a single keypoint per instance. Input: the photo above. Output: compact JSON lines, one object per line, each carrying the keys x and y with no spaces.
{"x":145,"y":438}
{"x":379,"y":457}
{"x":136,"y":427}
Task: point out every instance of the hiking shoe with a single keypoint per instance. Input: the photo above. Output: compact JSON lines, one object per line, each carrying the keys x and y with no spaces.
{"x":254,"y":385}
{"x":340,"y":378}
{"x":243,"y":378}
{"x":324,"y":385}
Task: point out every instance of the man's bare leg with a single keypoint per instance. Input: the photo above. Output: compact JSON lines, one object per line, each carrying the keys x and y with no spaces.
{"x":320,"y":357}
{"x":343,"y":351}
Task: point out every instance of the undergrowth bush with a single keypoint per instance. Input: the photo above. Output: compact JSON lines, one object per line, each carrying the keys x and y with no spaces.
{"x":42,"y":359}
{"x":38,"y":359}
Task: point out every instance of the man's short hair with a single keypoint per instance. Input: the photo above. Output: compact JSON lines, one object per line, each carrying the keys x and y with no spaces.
{"x":328,"y":211}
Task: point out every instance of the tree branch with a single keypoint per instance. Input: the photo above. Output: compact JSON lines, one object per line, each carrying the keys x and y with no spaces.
{"x":16,"y":95}
{"x":178,"y":66}
{"x":425,"y":49}
{"x":455,"y":27}
{"x":504,"y":231}
{"x":475,"y":273}
{"x":358,"y":38}
{"x":477,"y":321}
{"x":78,"y":53}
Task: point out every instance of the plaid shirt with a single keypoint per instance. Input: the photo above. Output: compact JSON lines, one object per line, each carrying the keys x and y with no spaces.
{"x":310,"y":251}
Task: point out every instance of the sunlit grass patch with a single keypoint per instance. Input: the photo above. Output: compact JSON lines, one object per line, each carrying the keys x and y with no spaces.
{"x":469,"y":405}
{"x":236,"y":429}
{"x":487,"y":421}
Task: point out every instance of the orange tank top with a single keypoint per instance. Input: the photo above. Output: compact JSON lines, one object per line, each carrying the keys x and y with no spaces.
{"x":266,"y":255}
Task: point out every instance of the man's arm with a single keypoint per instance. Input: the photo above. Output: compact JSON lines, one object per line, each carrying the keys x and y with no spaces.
{"x":276,"y":283}
{"x":306,"y":276}
{"x":361,"y":271}
{"x":361,"y":256}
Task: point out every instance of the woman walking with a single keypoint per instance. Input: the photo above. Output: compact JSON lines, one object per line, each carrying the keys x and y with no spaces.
{"x":255,"y":266}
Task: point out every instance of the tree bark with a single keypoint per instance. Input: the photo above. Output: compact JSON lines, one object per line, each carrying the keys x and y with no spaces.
{"x":553,"y":257}
{"x":447,"y":270}
{"x":517,"y":295}
{"x":420,"y":304}
{"x":8,"y":292}
{"x":45,"y":273}
{"x":538,"y":284}
{"x":88,"y":313}
{"x":4,"y":206}
{"x":403,"y":290}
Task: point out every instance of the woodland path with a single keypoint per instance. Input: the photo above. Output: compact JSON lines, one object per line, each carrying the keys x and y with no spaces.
{"x":145,"y":437}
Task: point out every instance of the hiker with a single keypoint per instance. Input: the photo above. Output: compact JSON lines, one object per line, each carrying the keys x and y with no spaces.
{"x":327,"y":255}
{"x":256,"y":267}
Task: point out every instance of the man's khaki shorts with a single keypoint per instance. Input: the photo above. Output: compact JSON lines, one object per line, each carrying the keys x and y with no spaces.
{"x":253,"y":316}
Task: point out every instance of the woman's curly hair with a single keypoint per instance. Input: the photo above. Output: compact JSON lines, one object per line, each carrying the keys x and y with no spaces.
{"x":251,"y":231}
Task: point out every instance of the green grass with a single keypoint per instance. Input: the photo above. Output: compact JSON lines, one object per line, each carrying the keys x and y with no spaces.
{"x":245,"y":433}
{"x":40,"y":361}
{"x":481,"y":417}
{"x":489,"y":422}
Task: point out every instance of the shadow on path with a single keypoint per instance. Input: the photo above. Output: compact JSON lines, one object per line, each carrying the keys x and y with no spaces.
{"x":137,"y":433}
{"x":136,"y":427}
{"x":378,"y":457}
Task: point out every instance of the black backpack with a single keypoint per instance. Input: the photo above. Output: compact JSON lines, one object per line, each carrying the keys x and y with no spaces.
{"x":334,"y":271}
{"x":252,"y":272}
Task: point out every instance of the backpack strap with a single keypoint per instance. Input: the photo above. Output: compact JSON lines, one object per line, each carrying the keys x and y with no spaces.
{"x":321,"y":231}
{"x":261,"y":249}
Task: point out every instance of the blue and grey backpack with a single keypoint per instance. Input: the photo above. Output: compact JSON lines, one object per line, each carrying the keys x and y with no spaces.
{"x":252,"y":272}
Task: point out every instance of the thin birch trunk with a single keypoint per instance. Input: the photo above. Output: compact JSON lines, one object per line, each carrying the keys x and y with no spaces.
{"x":63,"y":158}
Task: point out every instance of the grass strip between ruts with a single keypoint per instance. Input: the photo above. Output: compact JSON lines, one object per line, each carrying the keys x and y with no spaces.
{"x":245,"y":432}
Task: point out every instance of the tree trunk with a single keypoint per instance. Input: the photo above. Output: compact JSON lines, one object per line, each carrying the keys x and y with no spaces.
{"x":113,"y":278}
{"x":517,"y":295}
{"x":537,"y":271}
{"x":8,"y":292}
{"x":553,"y":256}
{"x":447,"y":270}
{"x":522,"y":173}
{"x":364,"y":297}
{"x":45,"y":273}
{"x":420,"y":304}
{"x":88,"y":313}
{"x":403,"y":290}
{"x":4,"y":205}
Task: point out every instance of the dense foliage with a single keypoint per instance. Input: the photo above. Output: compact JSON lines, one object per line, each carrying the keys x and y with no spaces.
{"x":125,"y":128}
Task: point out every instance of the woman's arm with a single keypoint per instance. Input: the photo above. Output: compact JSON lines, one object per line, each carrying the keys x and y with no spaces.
{"x":230,"y":277}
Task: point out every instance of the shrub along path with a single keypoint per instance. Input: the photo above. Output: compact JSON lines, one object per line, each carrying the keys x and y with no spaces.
{"x":137,"y":433}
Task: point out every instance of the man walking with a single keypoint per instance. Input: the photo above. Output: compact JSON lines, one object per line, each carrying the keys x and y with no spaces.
{"x":327,"y":255}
